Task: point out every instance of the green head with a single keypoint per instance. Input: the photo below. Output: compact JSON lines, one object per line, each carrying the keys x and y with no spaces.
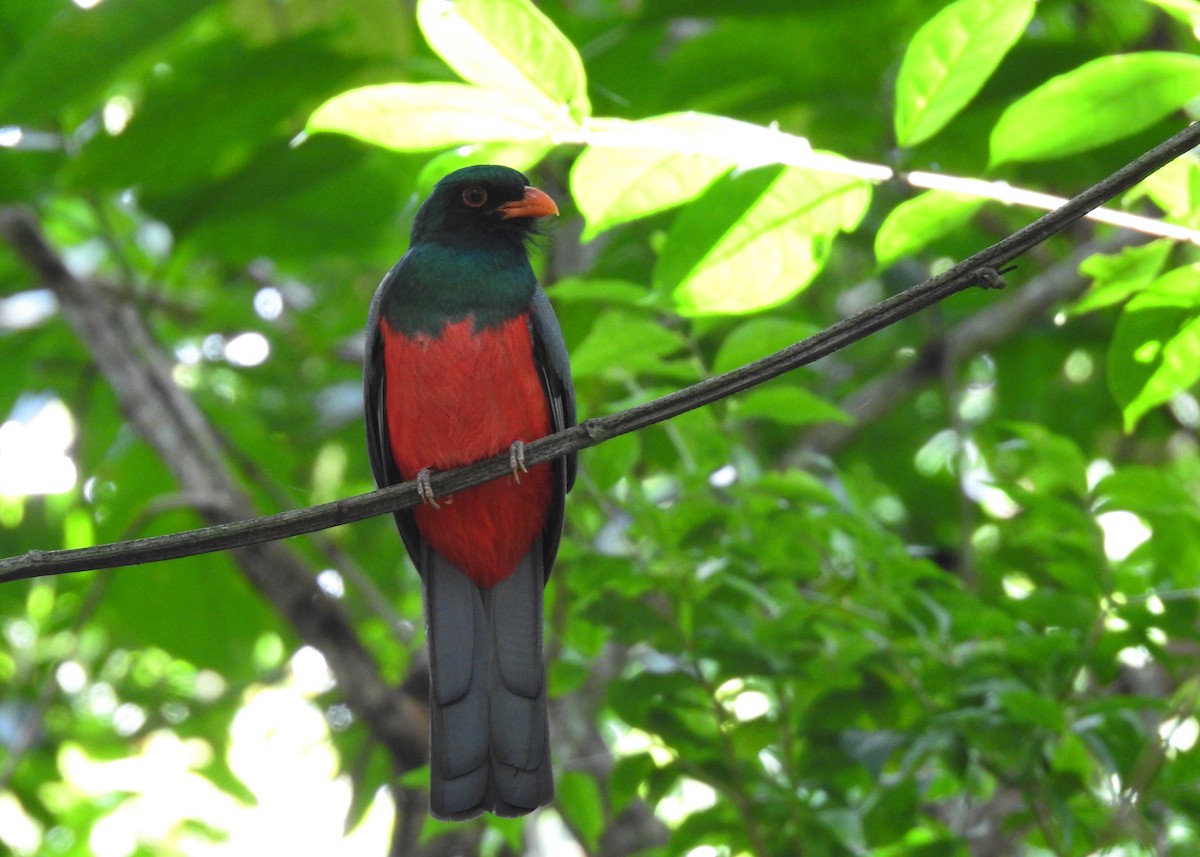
{"x":467,"y":255}
{"x":481,"y":204}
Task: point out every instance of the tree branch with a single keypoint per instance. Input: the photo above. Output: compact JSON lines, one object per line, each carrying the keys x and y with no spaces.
{"x":985,"y":329}
{"x":140,"y":376}
{"x":979,"y":269}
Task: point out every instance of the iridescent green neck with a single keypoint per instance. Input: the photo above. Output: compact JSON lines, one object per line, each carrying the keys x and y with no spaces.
{"x":437,"y":282}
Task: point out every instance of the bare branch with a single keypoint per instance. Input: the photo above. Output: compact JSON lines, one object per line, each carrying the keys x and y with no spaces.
{"x":977,"y":333}
{"x":140,"y":376}
{"x":979,"y":269}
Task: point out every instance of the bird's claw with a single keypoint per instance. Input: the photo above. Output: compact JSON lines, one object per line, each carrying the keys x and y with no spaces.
{"x":425,"y":489}
{"x":516,"y":460}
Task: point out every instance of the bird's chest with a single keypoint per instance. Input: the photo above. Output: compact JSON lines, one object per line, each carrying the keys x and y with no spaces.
{"x":461,"y":395}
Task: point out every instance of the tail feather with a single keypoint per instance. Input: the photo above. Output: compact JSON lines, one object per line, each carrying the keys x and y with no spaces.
{"x":489,"y":732}
{"x":458,"y":656}
{"x":522,"y":778}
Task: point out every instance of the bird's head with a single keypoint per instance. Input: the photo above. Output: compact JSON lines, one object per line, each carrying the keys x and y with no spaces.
{"x":482,"y":200}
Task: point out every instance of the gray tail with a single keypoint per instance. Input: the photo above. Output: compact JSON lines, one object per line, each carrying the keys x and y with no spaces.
{"x":489,"y":747}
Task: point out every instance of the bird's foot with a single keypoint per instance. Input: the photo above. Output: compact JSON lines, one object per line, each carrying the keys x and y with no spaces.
{"x":516,"y":460}
{"x":425,"y":489}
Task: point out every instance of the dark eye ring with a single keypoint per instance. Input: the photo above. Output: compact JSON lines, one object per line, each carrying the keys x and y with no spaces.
{"x":474,"y":196}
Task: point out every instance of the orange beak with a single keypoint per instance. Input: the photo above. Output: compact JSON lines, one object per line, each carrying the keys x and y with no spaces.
{"x":534,"y":203}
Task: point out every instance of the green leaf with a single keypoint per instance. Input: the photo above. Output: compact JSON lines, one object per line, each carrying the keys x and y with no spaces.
{"x":579,"y":801}
{"x":1099,"y":102}
{"x":510,"y":46}
{"x":1155,"y":351}
{"x":915,"y":223}
{"x":756,"y":239}
{"x":788,"y":405}
{"x":76,"y":55}
{"x":623,"y":343}
{"x":634,"y":169}
{"x":519,"y":156}
{"x":600,"y":291}
{"x":418,"y":117}
{"x":199,"y":609}
{"x":949,"y":60}
{"x":1186,"y":12}
{"x":613,"y":186}
{"x":1118,"y":276}
{"x":891,"y":812}
{"x":613,"y":460}
{"x":1175,"y":189}
{"x":1144,"y":490}
{"x":757,"y":338}
{"x":629,"y":775}
{"x":1071,"y":755}
{"x":289,"y":199}
{"x":1035,"y":709}
{"x":1051,"y":463}
{"x":188,"y":130}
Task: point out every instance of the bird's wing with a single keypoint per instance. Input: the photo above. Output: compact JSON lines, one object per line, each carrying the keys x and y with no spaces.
{"x":550,"y":354}
{"x":379,"y":447}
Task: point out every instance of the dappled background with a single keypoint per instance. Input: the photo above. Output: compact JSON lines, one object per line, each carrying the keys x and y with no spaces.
{"x":934,"y":595}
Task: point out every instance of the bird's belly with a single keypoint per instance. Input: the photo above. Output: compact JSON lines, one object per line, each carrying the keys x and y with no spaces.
{"x":458,"y":397}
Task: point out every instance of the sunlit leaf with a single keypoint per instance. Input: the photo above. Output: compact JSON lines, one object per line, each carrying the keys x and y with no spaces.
{"x":949,"y":60}
{"x":600,"y":183}
{"x":1155,"y":351}
{"x":1185,"y":11}
{"x":415,"y":117}
{"x":1118,"y":276}
{"x":1175,"y":189}
{"x":507,"y":45}
{"x":635,"y":169}
{"x":519,"y":156}
{"x":1099,"y":102}
{"x":915,"y":223}
{"x":756,"y":239}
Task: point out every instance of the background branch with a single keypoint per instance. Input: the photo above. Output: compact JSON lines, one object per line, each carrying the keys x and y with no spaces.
{"x":162,"y":413}
{"x":985,"y":329}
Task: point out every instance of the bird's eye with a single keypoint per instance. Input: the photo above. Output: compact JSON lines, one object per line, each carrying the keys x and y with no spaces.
{"x":474,"y":196}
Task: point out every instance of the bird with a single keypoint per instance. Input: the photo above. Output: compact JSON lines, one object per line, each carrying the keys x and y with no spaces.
{"x":466,"y":359}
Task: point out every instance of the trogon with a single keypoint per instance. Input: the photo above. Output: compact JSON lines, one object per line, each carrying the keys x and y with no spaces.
{"x":466,"y":360}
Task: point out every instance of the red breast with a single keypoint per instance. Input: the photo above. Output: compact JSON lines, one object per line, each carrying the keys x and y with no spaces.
{"x":455,"y":398}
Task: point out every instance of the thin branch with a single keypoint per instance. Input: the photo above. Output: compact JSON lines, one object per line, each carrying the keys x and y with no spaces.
{"x":376,"y":602}
{"x":1009,"y":195}
{"x":975,"y":334}
{"x":980,"y":269}
{"x":793,"y":151}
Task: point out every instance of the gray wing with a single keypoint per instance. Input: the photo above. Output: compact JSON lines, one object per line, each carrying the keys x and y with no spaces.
{"x":379,"y":447}
{"x":550,"y":353}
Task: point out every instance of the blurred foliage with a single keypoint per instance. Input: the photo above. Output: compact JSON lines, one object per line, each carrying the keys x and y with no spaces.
{"x":969,"y":629}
